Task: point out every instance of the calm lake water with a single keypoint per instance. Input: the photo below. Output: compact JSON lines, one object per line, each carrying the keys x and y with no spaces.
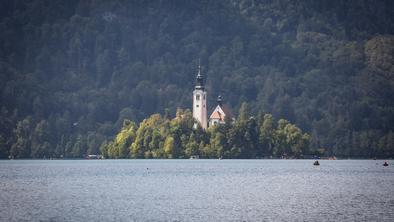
{"x":196,"y":190}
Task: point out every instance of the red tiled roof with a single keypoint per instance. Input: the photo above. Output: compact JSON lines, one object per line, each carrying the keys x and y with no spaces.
{"x":217,"y":115}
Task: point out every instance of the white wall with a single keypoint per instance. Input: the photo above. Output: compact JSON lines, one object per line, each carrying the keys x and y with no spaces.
{"x":200,"y":107}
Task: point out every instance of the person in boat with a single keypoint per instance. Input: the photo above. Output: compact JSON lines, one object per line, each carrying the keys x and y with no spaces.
{"x":385,"y":163}
{"x":316,"y":163}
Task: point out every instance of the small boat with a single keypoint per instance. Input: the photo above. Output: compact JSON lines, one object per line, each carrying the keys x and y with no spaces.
{"x":385,"y":163}
{"x":193,"y":157}
{"x":316,"y":163}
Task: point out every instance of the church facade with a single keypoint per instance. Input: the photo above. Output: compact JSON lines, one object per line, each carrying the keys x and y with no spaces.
{"x":219,"y":115}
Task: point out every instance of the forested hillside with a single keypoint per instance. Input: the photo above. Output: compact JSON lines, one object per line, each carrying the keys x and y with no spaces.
{"x":72,"y":71}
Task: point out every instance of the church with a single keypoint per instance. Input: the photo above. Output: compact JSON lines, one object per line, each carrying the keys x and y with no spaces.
{"x":219,"y":114}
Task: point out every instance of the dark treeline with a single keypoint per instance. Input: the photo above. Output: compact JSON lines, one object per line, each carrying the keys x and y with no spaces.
{"x":245,"y":137}
{"x":72,"y":71}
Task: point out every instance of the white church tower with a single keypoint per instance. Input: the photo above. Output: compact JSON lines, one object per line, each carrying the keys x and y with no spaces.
{"x":200,"y":101}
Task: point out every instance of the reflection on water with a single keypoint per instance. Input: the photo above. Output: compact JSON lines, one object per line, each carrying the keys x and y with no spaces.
{"x":196,"y":190}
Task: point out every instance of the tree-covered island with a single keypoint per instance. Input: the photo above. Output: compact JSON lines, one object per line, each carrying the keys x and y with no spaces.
{"x":245,"y":137}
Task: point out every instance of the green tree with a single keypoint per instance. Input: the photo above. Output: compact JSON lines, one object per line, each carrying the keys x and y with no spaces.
{"x":192,"y":146}
{"x":267,"y":131}
{"x":41,"y":140}
{"x":104,"y":149}
{"x":3,"y":148}
{"x":169,"y":146}
{"x":216,"y":145}
{"x":79,"y":148}
{"x":281,"y":146}
{"x":244,"y":113}
{"x":124,"y":139}
{"x":22,"y":134}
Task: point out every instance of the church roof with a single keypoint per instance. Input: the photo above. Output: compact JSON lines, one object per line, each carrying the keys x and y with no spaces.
{"x":221,"y":112}
{"x":217,"y":115}
{"x":227,"y":111}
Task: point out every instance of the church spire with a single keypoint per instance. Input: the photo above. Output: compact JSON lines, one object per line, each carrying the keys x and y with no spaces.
{"x":220,"y":101}
{"x":199,"y":78}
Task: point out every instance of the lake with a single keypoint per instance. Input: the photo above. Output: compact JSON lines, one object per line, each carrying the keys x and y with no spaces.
{"x":196,"y":190}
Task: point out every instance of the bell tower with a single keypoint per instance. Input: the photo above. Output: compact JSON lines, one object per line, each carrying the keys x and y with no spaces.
{"x":200,"y":101}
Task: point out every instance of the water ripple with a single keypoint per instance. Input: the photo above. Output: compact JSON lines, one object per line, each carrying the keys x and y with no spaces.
{"x":195,"y":190}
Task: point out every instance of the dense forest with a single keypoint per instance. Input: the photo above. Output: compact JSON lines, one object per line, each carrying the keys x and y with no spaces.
{"x":76,"y":74}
